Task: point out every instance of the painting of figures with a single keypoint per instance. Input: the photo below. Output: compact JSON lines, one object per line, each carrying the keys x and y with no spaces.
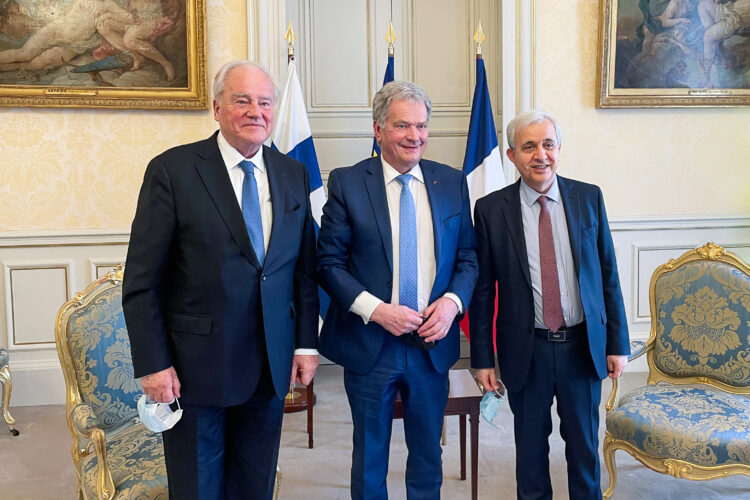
{"x":675,"y":52}
{"x":78,"y":50}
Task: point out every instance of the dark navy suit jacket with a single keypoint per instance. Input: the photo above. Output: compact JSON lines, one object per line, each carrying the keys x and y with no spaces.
{"x":503,"y":259}
{"x":355,"y":254}
{"x":195,"y":295}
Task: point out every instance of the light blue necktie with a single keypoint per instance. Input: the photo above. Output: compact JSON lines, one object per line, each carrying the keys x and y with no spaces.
{"x":407,"y":252}
{"x":251,"y":209}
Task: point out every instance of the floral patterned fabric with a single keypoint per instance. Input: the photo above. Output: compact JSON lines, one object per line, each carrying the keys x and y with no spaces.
{"x":100,"y":349}
{"x":703,"y":322}
{"x":3,"y":358}
{"x":695,"y":423}
{"x":136,"y":459}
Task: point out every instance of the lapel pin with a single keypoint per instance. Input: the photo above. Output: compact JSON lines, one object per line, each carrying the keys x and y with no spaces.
{"x":434,"y":181}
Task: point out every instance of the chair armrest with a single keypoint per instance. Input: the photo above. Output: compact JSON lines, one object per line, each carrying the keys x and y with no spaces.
{"x":84,"y":419}
{"x":637,"y":349}
{"x":105,"y":486}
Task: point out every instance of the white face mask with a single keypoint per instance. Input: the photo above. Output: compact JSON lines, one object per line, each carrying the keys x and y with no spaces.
{"x":158,"y":417}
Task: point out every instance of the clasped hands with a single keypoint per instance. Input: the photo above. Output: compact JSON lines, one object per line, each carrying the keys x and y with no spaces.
{"x":432,"y":325}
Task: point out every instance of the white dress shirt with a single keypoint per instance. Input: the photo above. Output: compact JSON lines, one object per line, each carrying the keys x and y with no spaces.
{"x":365,"y":303}
{"x":232,"y":159}
{"x":570,"y":295}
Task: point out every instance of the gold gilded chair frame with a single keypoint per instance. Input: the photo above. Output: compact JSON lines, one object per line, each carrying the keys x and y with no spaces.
{"x":674,"y":467}
{"x":95,"y":441}
{"x":7,"y":388}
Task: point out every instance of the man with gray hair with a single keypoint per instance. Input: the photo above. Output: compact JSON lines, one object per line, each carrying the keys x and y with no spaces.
{"x":561,"y":325}
{"x":396,"y":253}
{"x":220,"y":297}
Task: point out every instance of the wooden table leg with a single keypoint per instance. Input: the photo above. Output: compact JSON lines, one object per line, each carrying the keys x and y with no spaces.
{"x":474,"y":419}
{"x":310,"y":396}
{"x":462,"y":440}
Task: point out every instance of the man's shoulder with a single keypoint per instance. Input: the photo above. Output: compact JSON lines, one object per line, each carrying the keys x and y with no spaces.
{"x":441,"y":168}
{"x":584,"y":187}
{"x":177,"y":154}
{"x":358,"y":168}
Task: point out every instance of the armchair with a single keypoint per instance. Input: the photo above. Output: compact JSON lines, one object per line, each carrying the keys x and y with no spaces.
{"x":7,"y":388}
{"x":113,"y":454}
{"x":691,"y":420}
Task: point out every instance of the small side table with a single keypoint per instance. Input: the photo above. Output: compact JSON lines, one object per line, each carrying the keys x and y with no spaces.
{"x":297,"y":400}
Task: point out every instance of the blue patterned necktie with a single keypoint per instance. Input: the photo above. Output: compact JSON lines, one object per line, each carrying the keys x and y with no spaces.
{"x":251,"y":209}
{"x":407,"y":252}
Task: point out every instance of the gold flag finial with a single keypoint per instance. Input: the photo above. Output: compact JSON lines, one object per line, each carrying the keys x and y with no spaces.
{"x":479,"y":38}
{"x":290,"y":38}
{"x":390,"y":35}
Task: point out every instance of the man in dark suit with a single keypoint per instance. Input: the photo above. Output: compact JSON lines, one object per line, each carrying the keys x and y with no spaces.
{"x":220,"y":290}
{"x":561,"y":325}
{"x":397,"y":256}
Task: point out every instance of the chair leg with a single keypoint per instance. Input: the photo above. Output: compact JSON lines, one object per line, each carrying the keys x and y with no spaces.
{"x":277,"y":486}
{"x":609,"y":461}
{"x":7,"y":384}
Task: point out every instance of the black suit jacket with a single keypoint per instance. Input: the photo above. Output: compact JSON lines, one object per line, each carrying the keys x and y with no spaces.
{"x":194,"y":293}
{"x":503,"y":259}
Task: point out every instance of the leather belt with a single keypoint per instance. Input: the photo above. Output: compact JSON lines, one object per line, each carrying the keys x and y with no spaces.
{"x":564,"y":334}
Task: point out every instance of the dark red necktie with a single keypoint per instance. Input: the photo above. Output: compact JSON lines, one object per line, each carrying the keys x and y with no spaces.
{"x":552,"y":308}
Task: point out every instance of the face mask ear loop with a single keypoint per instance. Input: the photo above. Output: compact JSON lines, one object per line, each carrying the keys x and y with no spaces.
{"x":178,"y":404}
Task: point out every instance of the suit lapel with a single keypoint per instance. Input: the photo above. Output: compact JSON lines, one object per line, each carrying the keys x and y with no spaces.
{"x":277,"y":185}
{"x":512,"y":213}
{"x":213,"y":173}
{"x":572,"y":206}
{"x":435,"y":195}
{"x":375,"y":186}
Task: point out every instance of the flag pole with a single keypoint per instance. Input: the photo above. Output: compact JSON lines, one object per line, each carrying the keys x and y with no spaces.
{"x":290,"y":38}
{"x":297,"y":400}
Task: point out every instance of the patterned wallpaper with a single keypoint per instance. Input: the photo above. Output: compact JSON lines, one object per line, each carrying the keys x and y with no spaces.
{"x":647,"y":161}
{"x":82,"y":168}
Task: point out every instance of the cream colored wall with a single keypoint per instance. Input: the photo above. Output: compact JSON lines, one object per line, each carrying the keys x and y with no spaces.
{"x":82,"y":168}
{"x":658,"y":162}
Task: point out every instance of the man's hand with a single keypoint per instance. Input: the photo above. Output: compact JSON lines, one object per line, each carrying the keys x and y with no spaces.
{"x":488,"y":379}
{"x":439,"y":318}
{"x":616,"y":365}
{"x":303,"y":368}
{"x":397,"y":319}
{"x":162,"y":386}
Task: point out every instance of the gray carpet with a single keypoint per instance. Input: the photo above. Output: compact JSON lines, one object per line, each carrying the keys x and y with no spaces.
{"x":37,"y":463}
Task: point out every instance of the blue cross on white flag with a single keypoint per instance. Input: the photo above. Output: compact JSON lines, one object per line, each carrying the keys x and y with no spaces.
{"x":483,"y":165}
{"x":293,"y":137}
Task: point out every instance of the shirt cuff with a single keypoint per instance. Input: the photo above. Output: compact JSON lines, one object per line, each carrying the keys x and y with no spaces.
{"x":305,"y":352}
{"x":455,"y":299}
{"x":364,"y":305}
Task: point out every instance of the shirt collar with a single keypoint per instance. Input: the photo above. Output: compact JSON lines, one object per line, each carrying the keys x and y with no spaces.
{"x":232,"y":157}
{"x":390,"y":173}
{"x":529,"y":195}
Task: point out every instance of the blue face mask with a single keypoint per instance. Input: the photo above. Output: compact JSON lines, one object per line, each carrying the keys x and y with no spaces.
{"x":489,"y":405}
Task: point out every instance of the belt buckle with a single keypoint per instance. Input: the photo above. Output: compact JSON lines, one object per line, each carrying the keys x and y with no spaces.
{"x":558,"y":336}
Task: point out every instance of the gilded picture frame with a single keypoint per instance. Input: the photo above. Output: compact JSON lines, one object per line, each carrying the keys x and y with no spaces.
{"x":144,"y":54}
{"x":673,"y":53}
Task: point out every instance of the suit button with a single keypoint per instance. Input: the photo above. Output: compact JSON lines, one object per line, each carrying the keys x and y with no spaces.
{"x":263,"y":277}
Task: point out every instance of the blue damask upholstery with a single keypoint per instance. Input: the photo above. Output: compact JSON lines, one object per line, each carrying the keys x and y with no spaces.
{"x":7,"y":387}
{"x":113,"y":453}
{"x":693,"y":419}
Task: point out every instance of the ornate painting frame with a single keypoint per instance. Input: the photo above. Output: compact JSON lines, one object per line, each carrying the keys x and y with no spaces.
{"x":135,"y":54}
{"x":669,"y":65}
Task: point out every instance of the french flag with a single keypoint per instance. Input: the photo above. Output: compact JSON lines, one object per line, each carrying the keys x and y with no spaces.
{"x":483,"y":165}
{"x":293,"y":137}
